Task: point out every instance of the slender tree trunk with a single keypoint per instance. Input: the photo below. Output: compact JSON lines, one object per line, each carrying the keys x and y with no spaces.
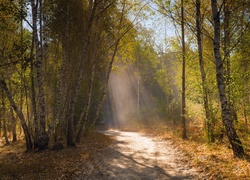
{"x":55,"y":117}
{"x":13,"y":120}
{"x":226,"y":114}
{"x":34,"y":106}
{"x":110,"y":65}
{"x":183,"y":107}
{"x":104,"y":89}
{"x":32,"y":73}
{"x":42,"y":139}
{"x":1,"y":126}
{"x":208,"y":120}
{"x":246,"y":100}
{"x":62,"y":86}
{"x":227,"y":59}
{"x":84,"y":114}
{"x":4,"y":120}
{"x":40,"y":75}
{"x":19,"y":114}
{"x":62,"y":92}
{"x":71,"y":128}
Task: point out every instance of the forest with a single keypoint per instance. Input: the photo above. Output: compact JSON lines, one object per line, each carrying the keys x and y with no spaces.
{"x":71,"y":68}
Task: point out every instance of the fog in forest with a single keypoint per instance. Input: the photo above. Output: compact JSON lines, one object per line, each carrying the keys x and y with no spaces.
{"x":128,"y":103}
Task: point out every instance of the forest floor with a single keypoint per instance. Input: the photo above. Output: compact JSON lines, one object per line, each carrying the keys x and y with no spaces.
{"x":216,"y":160}
{"x":125,"y":155}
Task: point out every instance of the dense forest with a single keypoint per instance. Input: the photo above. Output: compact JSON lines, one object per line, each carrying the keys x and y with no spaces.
{"x":68,"y":66}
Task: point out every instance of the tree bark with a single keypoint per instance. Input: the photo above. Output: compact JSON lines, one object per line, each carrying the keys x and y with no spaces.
{"x":208,"y":120}
{"x":226,"y":114}
{"x":227,"y":60}
{"x":62,"y":85}
{"x":4,"y":120}
{"x":84,"y":114}
{"x":13,"y":121}
{"x":109,"y":69}
{"x":71,"y":128}
{"x":19,"y":114}
{"x":183,"y":107}
{"x":41,"y":138}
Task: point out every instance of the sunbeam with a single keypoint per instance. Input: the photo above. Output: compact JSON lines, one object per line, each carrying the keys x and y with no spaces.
{"x":128,"y":103}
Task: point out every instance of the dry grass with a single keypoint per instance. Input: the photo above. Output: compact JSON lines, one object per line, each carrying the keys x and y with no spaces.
{"x":16,"y":163}
{"x":215,"y":159}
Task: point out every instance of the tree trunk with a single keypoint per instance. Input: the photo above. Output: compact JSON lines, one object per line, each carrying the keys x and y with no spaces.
{"x":41,"y":139}
{"x":208,"y":120}
{"x":62,"y":85}
{"x":32,"y":74}
{"x":19,"y":114}
{"x":71,"y":129}
{"x":1,"y":126}
{"x":227,"y":59}
{"x":4,"y":120}
{"x":84,"y":114}
{"x":183,"y":107}
{"x":13,"y":121}
{"x":110,"y":65}
{"x":226,"y":114}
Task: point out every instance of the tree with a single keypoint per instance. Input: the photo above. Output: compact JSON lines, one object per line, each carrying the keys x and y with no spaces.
{"x":226,"y":114}
{"x":41,"y":137}
{"x":29,"y":144}
{"x":208,"y":120}
{"x":183,"y":107}
{"x":3,"y":109}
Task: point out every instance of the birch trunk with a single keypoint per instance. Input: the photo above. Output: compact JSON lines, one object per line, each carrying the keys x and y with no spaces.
{"x":84,"y":115}
{"x":59,"y":118}
{"x":183,"y":107}
{"x":13,"y":119}
{"x":4,"y":120}
{"x":208,"y":120}
{"x":227,"y":59}
{"x":71,"y":127}
{"x":42,"y":139}
{"x":19,"y":114}
{"x":13,"y":128}
{"x":226,"y":114}
{"x":109,"y":69}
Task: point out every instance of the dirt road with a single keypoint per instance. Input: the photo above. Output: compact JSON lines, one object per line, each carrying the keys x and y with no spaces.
{"x":134,"y":156}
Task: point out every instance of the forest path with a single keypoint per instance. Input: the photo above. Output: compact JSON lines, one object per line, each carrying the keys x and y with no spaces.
{"x":134,"y":156}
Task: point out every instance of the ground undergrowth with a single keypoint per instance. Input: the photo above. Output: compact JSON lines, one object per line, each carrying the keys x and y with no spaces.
{"x":16,"y":163}
{"x":214,"y":159}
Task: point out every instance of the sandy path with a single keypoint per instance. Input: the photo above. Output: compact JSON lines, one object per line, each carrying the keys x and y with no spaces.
{"x":135,"y":156}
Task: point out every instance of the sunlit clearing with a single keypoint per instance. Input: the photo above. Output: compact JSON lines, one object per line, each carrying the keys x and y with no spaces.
{"x":128,"y":105}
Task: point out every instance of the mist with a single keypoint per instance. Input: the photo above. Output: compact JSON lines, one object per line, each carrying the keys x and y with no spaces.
{"x":128,"y":104}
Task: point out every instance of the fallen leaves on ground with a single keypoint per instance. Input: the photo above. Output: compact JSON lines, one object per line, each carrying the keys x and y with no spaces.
{"x":16,"y":163}
{"x":215,"y":159}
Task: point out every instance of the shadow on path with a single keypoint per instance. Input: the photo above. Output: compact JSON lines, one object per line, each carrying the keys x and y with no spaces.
{"x":134,"y":156}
